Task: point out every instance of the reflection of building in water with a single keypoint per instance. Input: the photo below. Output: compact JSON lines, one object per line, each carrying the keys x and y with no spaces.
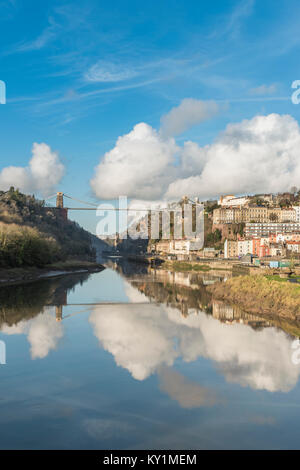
{"x":183,"y":291}
{"x":186,"y":292}
{"x":228,"y":314}
{"x":188,"y":279}
{"x":180,"y":278}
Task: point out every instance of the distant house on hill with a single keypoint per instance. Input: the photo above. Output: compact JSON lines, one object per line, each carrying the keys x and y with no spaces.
{"x":231,"y":200}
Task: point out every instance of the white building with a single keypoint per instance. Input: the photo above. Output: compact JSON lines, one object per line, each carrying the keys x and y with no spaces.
{"x":288,"y":215}
{"x":297,"y":210}
{"x":245,"y":247}
{"x":185,"y":246}
{"x":179,"y":247}
{"x":222,"y":216}
{"x":231,"y":200}
{"x":258,"y":229}
{"x":264,"y":241}
{"x":287,"y":237}
{"x":293,"y":246}
{"x":282,"y":237}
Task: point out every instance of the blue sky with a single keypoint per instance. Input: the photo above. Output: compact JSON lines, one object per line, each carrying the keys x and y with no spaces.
{"x":80,"y":74}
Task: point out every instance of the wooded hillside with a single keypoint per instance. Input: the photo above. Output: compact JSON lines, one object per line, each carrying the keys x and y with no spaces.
{"x":32,"y":234}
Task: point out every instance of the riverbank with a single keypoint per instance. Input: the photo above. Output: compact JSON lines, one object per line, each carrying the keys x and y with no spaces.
{"x":204,"y":265}
{"x":260,"y":295}
{"x":183,"y":266}
{"x":14,"y":276}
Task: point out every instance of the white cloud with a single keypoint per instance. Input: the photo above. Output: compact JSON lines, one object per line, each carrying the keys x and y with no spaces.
{"x":260,"y":154}
{"x":186,"y":115}
{"x":47,"y":35}
{"x":193,"y":158}
{"x":104,"y":71}
{"x":257,"y":359}
{"x":43,"y":173}
{"x":264,"y":90}
{"x":43,"y":333}
{"x":187,"y":393}
{"x":145,"y":340}
{"x":140,"y":165}
{"x":137,"y":341}
{"x":15,"y":329}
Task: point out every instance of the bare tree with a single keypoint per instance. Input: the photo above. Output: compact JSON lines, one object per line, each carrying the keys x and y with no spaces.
{"x":294,"y":189}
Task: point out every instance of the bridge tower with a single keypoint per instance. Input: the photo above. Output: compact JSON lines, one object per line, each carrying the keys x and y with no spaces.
{"x":60,"y":204}
{"x":60,"y":200}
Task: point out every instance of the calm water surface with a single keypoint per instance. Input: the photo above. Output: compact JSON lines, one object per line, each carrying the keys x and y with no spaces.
{"x":133,"y":359}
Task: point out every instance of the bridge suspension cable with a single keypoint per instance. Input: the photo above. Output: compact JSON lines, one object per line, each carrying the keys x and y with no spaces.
{"x":82,"y":202}
{"x":50,"y":197}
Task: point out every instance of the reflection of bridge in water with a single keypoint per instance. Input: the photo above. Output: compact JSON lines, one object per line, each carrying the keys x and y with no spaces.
{"x":183,"y":291}
{"x":220,"y":311}
{"x":59,"y":308}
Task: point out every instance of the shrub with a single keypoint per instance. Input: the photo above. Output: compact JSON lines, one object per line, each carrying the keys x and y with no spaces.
{"x":25,"y":246}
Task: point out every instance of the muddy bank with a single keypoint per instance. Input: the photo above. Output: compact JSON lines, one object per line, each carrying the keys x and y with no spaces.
{"x":31,"y":274}
{"x":259,"y":295}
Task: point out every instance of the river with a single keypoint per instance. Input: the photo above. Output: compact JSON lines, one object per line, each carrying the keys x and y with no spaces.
{"x":132,"y":358}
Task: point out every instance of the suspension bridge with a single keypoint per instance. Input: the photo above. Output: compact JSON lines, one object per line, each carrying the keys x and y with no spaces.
{"x":175,"y":211}
{"x":93,"y":206}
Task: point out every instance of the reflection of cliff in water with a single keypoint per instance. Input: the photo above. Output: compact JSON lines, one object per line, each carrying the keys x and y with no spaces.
{"x":25,"y":301}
